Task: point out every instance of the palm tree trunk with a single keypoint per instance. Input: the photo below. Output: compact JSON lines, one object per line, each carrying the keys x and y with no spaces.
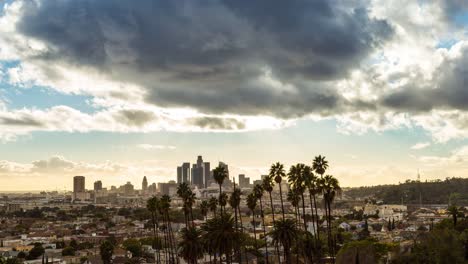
{"x":303,"y":211}
{"x":255,"y":233}
{"x":312,"y":211}
{"x":317,"y":218}
{"x":281,"y":197}
{"x":264,"y":231}
{"x":242,"y":230}
{"x":155,"y":236}
{"x":219,"y":200}
{"x":239,"y":256}
{"x":273,"y":214}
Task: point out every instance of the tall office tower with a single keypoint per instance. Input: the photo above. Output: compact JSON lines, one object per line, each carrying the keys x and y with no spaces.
{"x":144,"y":184}
{"x":98,"y":185}
{"x":227,"y":182}
{"x":244,"y":182}
{"x":128,"y":188}
{"x":186,"y":172}
{"x":207,"y":172}
{"x":152,"y":188}
{"x":197,"y":176}
{"x":179,"y":174}
{"x":78,"y":184}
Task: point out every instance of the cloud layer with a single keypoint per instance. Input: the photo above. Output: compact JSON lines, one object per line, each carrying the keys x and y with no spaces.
{"x":225,"y":65}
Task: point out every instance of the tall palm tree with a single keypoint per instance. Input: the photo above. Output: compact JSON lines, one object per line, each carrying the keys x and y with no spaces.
{"x":190,"y":245}
{"x":183,"y":191}
{"x":258,"y":192}
{"x":190,"y":202}
{"x":220,"y":174}
{"x":296,"y":179}
{"x":293,"y":198}
{"x":165,"y":206}
{"x":251,"y":204}
{"x":234,"y":202}
{"x":311,"y":182}
{"x":223,"y":199}
{"x":320,"y":165}
{"x":284,"y":232}
{"x":277,"y":173}
{"x":331,"y":188}
{"x":268,"y":184}
{"x":204,"y":207}
{"x":213,"y":204}
{"x":453,"y":211}
{"x":152,"y":206}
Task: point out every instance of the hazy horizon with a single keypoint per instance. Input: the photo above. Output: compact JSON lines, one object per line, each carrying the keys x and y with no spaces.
{"x":115,"y":91}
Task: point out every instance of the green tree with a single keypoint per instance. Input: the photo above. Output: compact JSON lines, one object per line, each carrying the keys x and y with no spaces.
{"x":35,"y":252}
{"x":134,"y":246}
{"x":220,"y":235}
{"x":284,"y":232}
{"x":258,"y":192}
{"x":106,"y":250}
{"x":68,"y":251}
{"x":190,"y":245}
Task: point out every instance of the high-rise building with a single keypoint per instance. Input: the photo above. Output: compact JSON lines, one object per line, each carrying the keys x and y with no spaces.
{"x":78,"y":184}
{"x":183,"y":173}
{"x":79,"y":191}
{"x":197,"y":176}
{"x":168,"y":188}
{"x":98,"y":185}
{"x":244,"y":182}
{"x":144,"y":184}
{"x":128,"y":188}
{"x":207,"y":172}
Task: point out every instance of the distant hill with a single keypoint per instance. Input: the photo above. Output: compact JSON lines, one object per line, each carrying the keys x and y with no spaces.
{"x":432,"y":192}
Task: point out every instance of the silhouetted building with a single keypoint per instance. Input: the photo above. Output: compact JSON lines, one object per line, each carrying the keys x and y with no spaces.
{"x":128,"y":189}
{"x":168,"y":188}
{"x":183,"y":173}
{"x":78,"y":184}
{"x":244,"y":182}
{"x":207,"y":174}
{"x":144,"y":184}
{"x":98,"y":185}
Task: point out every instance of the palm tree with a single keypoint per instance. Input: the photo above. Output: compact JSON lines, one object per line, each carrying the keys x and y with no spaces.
{"x":284,"y":232}
{"x":251,"y":204}
{"x":234,"y":202}
{"x":220,"y":235}
{"x":165,"y":207}
{"x":331,"y":188}
{"x":320,"y":165}
{"x":296,"y":179}
{"x":220,"y":174}
{"x":258,"y":192}
{"x":293,"y":198}
{"x":277,"y":173}
{"x":453,"y":211}
{"x":190,"y":202}
{"x":183,"y":191}
{"x":223,"y":199}
{"x":311,"y":182}
{"x":213,"y":204}
{"x":267,"y":185}
{"x":152,"y":206}
{"x":190,"y":245}
{"x":204,"y":207}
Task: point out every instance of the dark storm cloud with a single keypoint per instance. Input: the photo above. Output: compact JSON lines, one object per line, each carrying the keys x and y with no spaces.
{"x":209,"y":54}
{"x":448,"y":90}
{"x":216,"y":123}
{"x":135,"y":117}
{"x":22,"y":121}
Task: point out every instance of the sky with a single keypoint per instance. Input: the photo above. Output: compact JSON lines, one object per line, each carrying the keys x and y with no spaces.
{"x":115,"y":90}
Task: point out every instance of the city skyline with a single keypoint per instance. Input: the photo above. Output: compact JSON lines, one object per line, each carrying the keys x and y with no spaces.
{"x":107,"y":91}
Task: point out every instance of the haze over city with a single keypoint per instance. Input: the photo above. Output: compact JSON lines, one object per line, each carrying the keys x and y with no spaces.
{"x":118,"y":90}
